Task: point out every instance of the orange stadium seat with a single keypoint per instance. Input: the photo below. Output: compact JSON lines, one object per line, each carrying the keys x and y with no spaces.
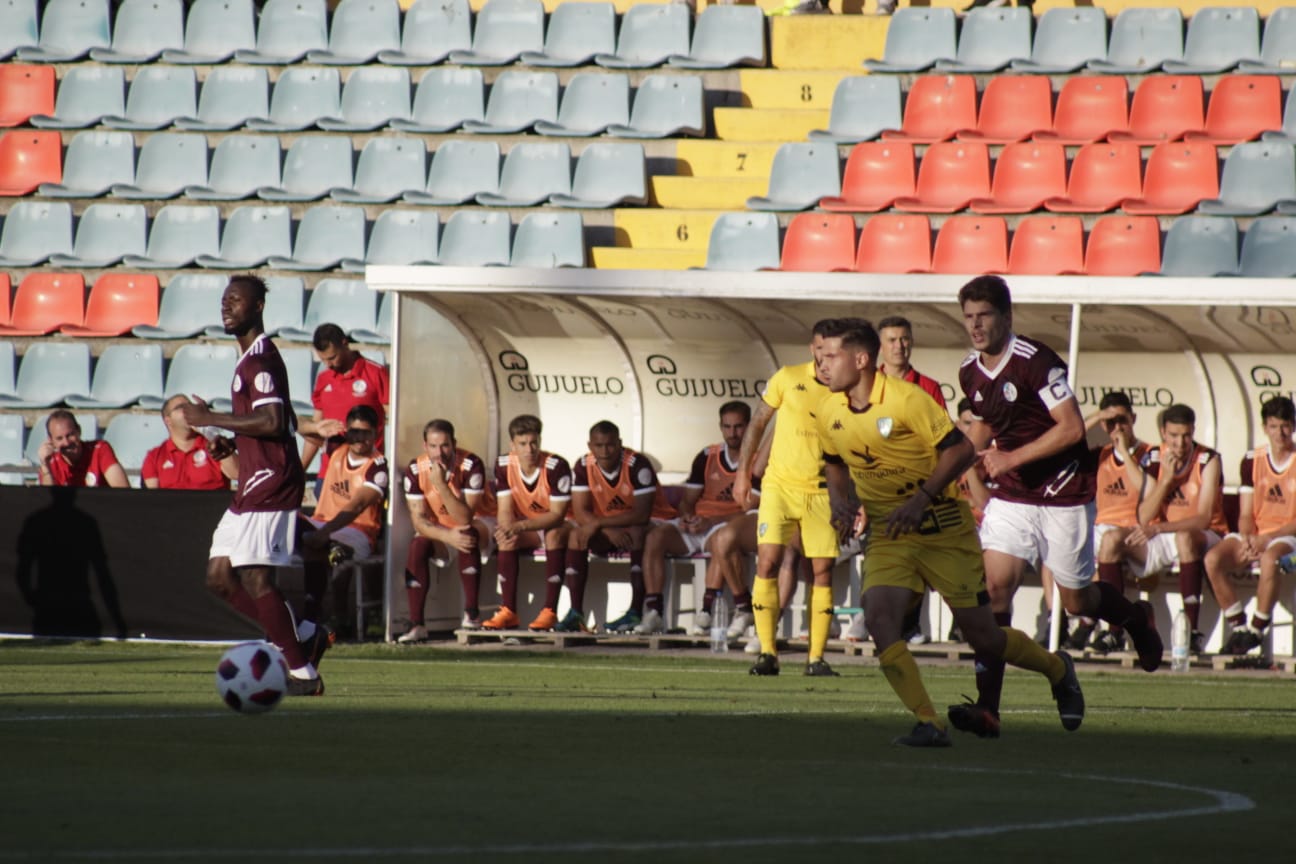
{"x":1241,"y":108}
{"x":877,"y":173}
{"x":1027,"y":174}
{"x":1047,"y":246}
{"x":1179,"y":176}
{"x":971,"y":244}
{"x":1165,"y":108}
{"x":6,"y":290}
{"x":936,"y":108}
{"x":25,"y":91}
{"x":28,"y":159}
{"x":819,"y":243}
{"x":895,"y":243}
{"x":45,"y":302}
{"x":1013,"y":107}
{"x":1089,"y":108}
{"x":1102,"y":176}
{"x":1123,"y":246}
{"x":951,"y":175}
{"x":118,"y":302}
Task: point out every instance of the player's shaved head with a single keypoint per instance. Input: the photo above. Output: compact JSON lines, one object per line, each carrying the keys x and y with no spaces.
{"x":605,"y":427}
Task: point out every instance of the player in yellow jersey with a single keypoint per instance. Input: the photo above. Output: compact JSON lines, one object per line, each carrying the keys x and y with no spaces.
{"x":904,"y":456}
{"x":793,"y":496}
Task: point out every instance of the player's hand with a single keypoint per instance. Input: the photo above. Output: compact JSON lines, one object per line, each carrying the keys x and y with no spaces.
{"x":463,"y":539}
{"x":196,"y":412}
{"x":582,"y":534}
{"x":996,"y":462}
{"x":505,"y":533}
{"x":437,"y":474}
{"x":221,"y":448}
{"x":907,"y":516}
{"x":692,"y":524}
{"x":843,"y":518}
{"x":1141,"y":534}
{"x":330,"y":428}
{"x":1170,"y":465}
{"x":741,"y":491}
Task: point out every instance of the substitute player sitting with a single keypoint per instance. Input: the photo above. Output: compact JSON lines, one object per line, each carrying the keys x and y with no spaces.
{"x":904,"y":455}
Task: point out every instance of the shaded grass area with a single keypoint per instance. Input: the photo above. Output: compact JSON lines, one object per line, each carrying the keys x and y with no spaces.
{"x":125,"y":753}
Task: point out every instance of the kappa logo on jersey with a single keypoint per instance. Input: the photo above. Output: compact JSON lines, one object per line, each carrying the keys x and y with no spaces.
{"x":801,"y":388}
{"x":884,"y":425}
{"x":837,"y":426}
{"x":1117,"y":488}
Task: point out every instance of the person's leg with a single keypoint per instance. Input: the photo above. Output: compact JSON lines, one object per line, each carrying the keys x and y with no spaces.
{"x":821,"y":606}
{"x":663,"y":539}
{"x":884,"y":610}
{"x":1003,"y":574}
{"x":1190,"y":549}
{"x":275,"y":616}
{"x":470,"y":566}
{"x":417,"y":576}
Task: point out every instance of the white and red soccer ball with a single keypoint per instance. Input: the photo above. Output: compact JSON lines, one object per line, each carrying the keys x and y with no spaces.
{"x":252,"y":678}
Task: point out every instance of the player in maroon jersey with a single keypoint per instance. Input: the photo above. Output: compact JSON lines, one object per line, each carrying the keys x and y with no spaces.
{"x":258,"y":532}
{"x":1030,"y":437}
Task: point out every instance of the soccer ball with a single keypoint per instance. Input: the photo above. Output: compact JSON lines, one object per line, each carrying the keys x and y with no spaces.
{"x":252,"y":677}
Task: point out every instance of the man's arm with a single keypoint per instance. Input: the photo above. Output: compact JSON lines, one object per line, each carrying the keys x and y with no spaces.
{"x":639,"y":514}
{"x":954,"y":454}
{"x":1068,"y":428}
{"x":747,"y":452}
{"x":115,"y":476}
{"x":264,"y":421}
{"x":554,"y":517}
{"x":362,"y":499}
{"x":1200,"y":520}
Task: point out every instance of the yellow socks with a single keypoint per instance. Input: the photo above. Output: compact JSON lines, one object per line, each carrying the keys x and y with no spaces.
{"x":902,"y":674}
{"x":1025,"y":653}
{"x":765,"y":609}
{"x":820,"y":620}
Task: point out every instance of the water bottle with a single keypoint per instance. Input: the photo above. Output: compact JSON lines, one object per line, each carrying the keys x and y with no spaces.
{"x":1287,"y":563}
{"x":1179,"y":636}
{"x":719,"y":626}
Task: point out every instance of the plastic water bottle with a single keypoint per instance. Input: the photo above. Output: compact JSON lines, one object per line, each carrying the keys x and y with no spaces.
{"x":1287,"y":563}
{"x":1179,"y":636}
{"x":720,"y":626}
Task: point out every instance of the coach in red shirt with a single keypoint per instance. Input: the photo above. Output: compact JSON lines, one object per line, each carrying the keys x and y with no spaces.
{"x":346,"y":379}
{"x":185,"y":460}
{"x":896,"y":334}
{"x":66,"y":460}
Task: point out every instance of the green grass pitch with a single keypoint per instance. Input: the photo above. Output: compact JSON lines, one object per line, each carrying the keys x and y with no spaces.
{"x":124,"y":753}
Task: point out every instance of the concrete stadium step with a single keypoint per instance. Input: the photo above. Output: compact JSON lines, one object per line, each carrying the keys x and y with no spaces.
{"x":767,"y":124}
{"x":829,"y":41}
{"x":737,"y":159}
{"x":706,"y":193}
{"x":791,"y":88}
{"x":620,"y":258}
{"x":664,"y":229}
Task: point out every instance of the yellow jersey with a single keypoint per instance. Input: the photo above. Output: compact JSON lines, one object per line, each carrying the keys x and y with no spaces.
{"x":796,"y":458}
{"x":890,"y":446}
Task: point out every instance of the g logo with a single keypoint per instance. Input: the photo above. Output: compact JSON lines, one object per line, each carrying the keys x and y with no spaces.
{"x":513,"y":361}
{"x":660,"y":364}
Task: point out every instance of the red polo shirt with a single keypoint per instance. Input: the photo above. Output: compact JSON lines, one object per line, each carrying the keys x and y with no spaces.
{"x":336,"y":393}
{"x":174,"y":468}
{"x":96,"y":458}
{"x":930,"y":385}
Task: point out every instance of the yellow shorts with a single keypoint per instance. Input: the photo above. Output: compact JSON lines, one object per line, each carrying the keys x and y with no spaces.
{"x":783,"y":510}
{"x":944,"y":554}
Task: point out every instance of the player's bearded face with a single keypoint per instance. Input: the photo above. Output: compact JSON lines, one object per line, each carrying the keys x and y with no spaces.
{"x":360,"y":439}
{"x":440,"y":447}
{"x":237,"y":309}
{"x":66,"y":438}
{"x":732,"y":429}
{"x":1177,"y":438}
{"x":838,"y":367}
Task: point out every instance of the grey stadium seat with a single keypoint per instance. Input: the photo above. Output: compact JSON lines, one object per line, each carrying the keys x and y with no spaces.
{"x":991,"y":39}
{"x":531,"y":173}
{"x":214,"y":30}
{"x":252,"y":236}
{"x":18,"y":26}
{"x":123,"y":374}
{"x":547,"y":240}
{"x":1200,"y":246}
{"x":400,"y":237}
{"x":388,"y":168}
{"x":1258,"y":176}
{"x":518,"y":100}
{"x":169,"y":162}
{"x":744,"y":242}
{"x":1218,"y":40}
{"x":178,"y":236}
{"x":94,"y":162}
{"x":190,"y":304}
{"x":916,"y":38}
{"x":49,"y":373}
{"x":800,"y":176}
{"x":381,"y":334}
{"x":665,"y":106}
{"x":325,"y":236}
{"x":361,"y":29}
{"x":372,"y":97}
{"x":198,"y":370}
{"x":1065,"y":41}
{"x":1277,"y":45}
{"x":105,"y":233}
{"x":287,"y":31}
{"x":301,"y":96}
{"x":433,"y":29}
{"x":240,"y":165}
{"x":345,"y":302}
{"x":607,"y":175}
{"x":68,"y":30}
{"x":475,"y":238}
{"x":577,"y":31}
{"x":650,"y":34}
{"x":158,"y":96}
{"x":230,"y":97}
{"x":314,"y":167}
{"x":460,"y":171}
{"x":863,"y":107}
{"x":1269,"y":249}
{"x":590,"y":104}
{"x":726,"y":36}
{"x":444,"y":100}
{"x":504,"y":30}
{"x":35,"y":230}
{"x":143,"y":30}
{"x":132,"y":436}
{"x":1141,"y":40}
{"x":86,"y":95}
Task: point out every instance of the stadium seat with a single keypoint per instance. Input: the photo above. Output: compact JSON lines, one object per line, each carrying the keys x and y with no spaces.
{"x":1102,"y":176}
{"x":325,"y":236}
{"x":400,"y":237}
{"x":726,"y":36}
{"x":743,"y":242}
{"x":5,"y":310}
{"x":347,"y":303}
{"x":531,"y":173}
{"x":314,"y":167}
{"x":287,"y":30}
{"x":518,"y":100}
{"x":18,"y":26}
{"x":298,"y":363}
{"x":546,"y":240}
{"x":86,"y":95}
{"x":877,"y":174}
{"x":214,"y":31}
{"x":475,"y":238}
{"x":361,"y":30}
{"x":433,"y":29}
{"x":11,"y":448}
{"x":1013,"y":108}
{"x":504,"y":30}
{"x":29,"y":158}
{"x":6,"y":367}
{"x":1218,"y":39}
{"x":1026,"y":174}
{"x":240,"y":165}
{"x":382,"y":332}
{"x":444,"y":100}
{"x":105,"y":233}
{"x":93,"y":164}
{"x":122,"y":376}
{"x":37,"y":435}
{"x":230,"y":97}
{"x":25,"y":91}
{"x":894,"y":243}
{"x":285,"y":298}
{"x":1165,"y":107}
{"x":1178,"y":177}
{"x":1257,"y":178}
{"x":388,"y":168}
{"x":143,"y":30}
{"x":800,"y":176}
{"x":50,"y":372}
{"x":198,"y":370}
{"x":132,"y":436}
{"x":971,"y":244}
{"x":1269,"y":249}
{"x":937,"y":107}
{"x":68,"y":30}
{"x":990,"y":40}
{"x":863,"y":107}
{"x":373,"y":97}
{"x":1089,"y":108}
{"x":917,"y":37}
{"x":1141,"y":40}
{"x":158,"y":96}
{"x":44,"y":302}
{"x":951,"y":175}
{"x":1277,"y":46}
{"x":1286,"y":134}
{"x":591,"y":102}
{"x":1242,"y":108}
{"x":1047,"y":246}
{"x":190,"y":304}
{"x":665,"y":106}
{"x":1065,"y":41}
{"x":1123,"y":246}
{"x":819,"y":243}
{"x":178,"y":236}
{"x":33,"y":231}
{"x":301,"y":96}
{"x":577,"y":31}
{"x":252,"y":236}
{"x":1200,"y":246}
{"x":606,"y":175}
{"x":650,"y":34}
{"x":118,"y":302}
{"x":169,"y":163}
{"x":460,"y":171}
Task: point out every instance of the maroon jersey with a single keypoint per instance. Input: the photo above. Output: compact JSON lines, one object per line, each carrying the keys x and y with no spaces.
{"x":1014,"y":400}
{"x":271,"y":477}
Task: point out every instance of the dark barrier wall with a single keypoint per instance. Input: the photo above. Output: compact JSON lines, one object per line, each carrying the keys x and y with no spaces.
{"x":111,"y":562}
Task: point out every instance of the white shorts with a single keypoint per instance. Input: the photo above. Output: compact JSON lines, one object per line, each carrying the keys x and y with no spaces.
{"x":349,"y":535}
{"x":261,"y":539}
{"x":694,"y":543}
{"x":1163,"y":555}
{"x":1060,"y":537}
